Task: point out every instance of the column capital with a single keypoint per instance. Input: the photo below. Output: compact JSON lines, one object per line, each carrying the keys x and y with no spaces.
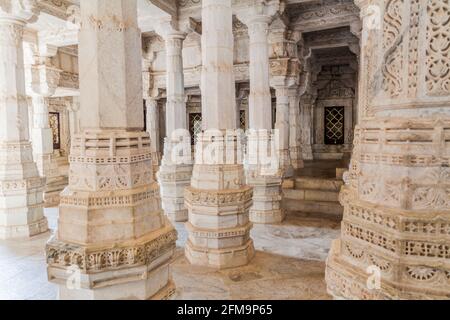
{"x":165,"y":28}
{"x":44,"y":79}
{"x":18,"y":11}
{"x":363,"y":4}
{"x":261,"y":12}
{"x":74,"y":105}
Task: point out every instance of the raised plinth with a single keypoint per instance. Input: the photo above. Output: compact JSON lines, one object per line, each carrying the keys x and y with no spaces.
{"x":21,"y":200}
{"x":174,"y":176}
{"x":264,"y":172}
{"x":396,"y":223}
{"x":219,"y":227}
{"x":228,"y":248}
{"x":267,"y":198}
{"x":173,"y":180}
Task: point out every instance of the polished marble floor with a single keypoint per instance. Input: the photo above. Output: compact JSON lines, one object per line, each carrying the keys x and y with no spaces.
{"x":289,"y":264}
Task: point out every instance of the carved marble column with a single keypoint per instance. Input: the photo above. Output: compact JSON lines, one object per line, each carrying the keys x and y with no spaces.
{"x":395,"y":232}
{"x":306,"y":118}
{"x":218,"y":199}
{"x":74,"y":118}
{"x":153,"y":130}
{"x":295,"y":130}
{"x":44,"y":81}
{"x":176,"y":165}
{"x":152,"y":111}
{"x":113,"y":240}
{"x":262,"y":174}
{"x":283,"y":130}
{"x":21,"y":187}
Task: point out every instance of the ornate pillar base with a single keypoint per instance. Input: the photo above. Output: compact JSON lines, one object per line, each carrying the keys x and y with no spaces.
{"x":396,"y":215}
{"x":218,"y":202}
{"x":21,"y":207}
{"x":113,"y":240}
{"x":267,"y":198}
{"x":307,"y":152}
{"x":287,"y":170}
{"x":55,"y":183}
{"x":346,"y":280}
{"x":156,"y":162}
{"x":296,"y":158}
{"x":173,"y":180}
{"x":219,"y":228}
{"x":174,"y":176}
{"x":265,"y":174}
{"x":138,"y":290}
{"x":138,"y":270}
{"x":221,"y":249}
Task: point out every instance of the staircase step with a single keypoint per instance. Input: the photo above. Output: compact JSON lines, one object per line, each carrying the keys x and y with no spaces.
{"x":307,"y":183}
{"x":317,"y":173}
{"x":332,"y":208}
{"x":311,"y":195}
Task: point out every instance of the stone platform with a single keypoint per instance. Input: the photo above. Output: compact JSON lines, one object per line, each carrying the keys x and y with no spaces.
{"x":288,"y":264}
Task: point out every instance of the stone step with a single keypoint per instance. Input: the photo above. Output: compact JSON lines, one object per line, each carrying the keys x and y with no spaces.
{"x":316,"y":173}
{"x":322,"y":207}
{"x":322,"y":164}
{"x":310,"y":183}
{"x":311,"y":195}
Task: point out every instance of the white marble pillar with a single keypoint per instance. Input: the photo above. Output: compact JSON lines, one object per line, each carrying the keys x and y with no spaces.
{"x":21,"y":187}
{"x":306,"y":118}
{"x":113,"y":240}
{"x":42,"y":134}
{"x":283,"y":130}
{"x":176,"y":166}
{"x":218,"y":200}
{"x":152,"y":112}
{"x":44,"y":81}
{"x":74,"y":118}
{"x":295,"y":131}
{"x":394,"y":241}
{"x":260,"y":99}
{"x":261,"y":144}
{"x":153,"y":130}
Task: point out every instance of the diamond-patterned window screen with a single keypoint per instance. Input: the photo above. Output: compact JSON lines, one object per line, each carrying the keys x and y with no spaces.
{"x":53,"y":118}
{"x":195,"y":126}
{"x":242,"y":120}
{"x":145,"y":115}
{"x":334,"y":125}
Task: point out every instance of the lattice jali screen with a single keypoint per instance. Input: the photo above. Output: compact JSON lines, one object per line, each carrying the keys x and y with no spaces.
{"x":55,"y":125}
{"x":195,"y":126}
{"x":334,"y":125}
{"x":242,"y":120}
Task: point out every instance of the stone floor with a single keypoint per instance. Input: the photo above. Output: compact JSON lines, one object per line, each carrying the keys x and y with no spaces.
{"x":289,"y":264}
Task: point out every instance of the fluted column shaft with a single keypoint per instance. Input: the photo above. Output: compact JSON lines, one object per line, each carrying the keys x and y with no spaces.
{"x":153,"y":123}
{"x":295,"y":130}
{"x":42,"y":134}
{"x":283,"y":130}
{"x":260,"y":99}
{"x":176,"y":101}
